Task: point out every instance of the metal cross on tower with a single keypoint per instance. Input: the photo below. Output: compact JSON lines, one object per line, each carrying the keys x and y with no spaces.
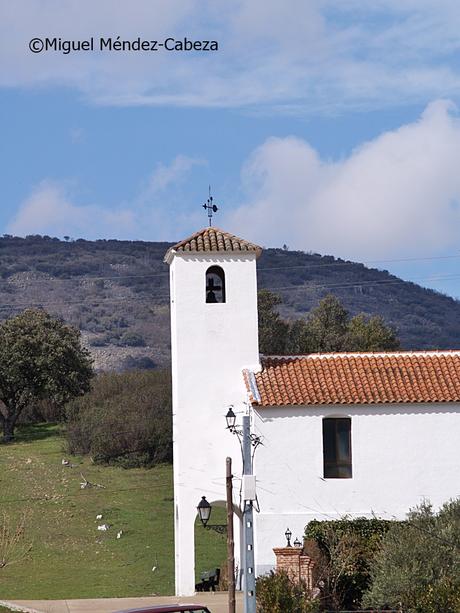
{"x":210,"y":207}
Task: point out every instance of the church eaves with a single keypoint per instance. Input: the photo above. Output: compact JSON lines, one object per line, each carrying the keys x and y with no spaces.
{"x":356,"y":378}
{"x":213,"y":240}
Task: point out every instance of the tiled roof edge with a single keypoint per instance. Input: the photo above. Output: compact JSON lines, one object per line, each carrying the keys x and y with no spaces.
{"x":360,"y":354}
{"x":361,"y":378}
{"x":252,"y":384}
{"x":245,"y":246}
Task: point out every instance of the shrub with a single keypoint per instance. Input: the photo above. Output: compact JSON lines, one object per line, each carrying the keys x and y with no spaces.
{"x":132,"y":339}
{"x":42,"y":411}
{"x":137,"y":363}
{"x":418,"y":564}
{"x":276,"y":593}
{"x":125,"y":419}
{"x":344,"y":552}
{"x":98,"y":342}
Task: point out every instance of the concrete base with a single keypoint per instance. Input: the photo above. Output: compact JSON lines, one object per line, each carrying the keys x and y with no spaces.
{"x":217,"y":602}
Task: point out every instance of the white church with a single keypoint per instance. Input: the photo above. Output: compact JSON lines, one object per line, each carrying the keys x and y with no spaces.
{"x":356,"y":434}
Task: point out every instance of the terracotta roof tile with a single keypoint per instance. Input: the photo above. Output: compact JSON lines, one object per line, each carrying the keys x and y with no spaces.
{"x":357,"y":378}
{"x":213,"y":239}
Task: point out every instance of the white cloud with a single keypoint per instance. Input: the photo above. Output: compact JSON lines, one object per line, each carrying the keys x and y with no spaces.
{"x":396,"y":195}
{"x":49,"y":210}
{"x":307,"y":56}
{"x":53,"y":209}
{"x":165,"y":175}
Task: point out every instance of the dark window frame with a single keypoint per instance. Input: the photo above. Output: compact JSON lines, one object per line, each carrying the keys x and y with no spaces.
{"x":219,"y":272}
{"x":335,"y":467}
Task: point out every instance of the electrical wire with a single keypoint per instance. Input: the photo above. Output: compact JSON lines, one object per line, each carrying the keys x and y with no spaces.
{"x":259,"y":269}
{"x":101,"y":300}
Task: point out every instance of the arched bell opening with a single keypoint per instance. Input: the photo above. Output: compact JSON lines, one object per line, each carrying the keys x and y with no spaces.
{"x":215,"y":285}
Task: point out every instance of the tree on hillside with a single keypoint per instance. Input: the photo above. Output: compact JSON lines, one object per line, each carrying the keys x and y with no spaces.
{"x":40,"y":358}
{"x":126,"y":419}
{"x":272,"y":329}
{"x":327,"y":328}
{"x":370,"y":334}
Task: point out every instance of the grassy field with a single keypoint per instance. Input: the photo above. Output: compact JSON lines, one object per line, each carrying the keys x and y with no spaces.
{"x":70,"y":558}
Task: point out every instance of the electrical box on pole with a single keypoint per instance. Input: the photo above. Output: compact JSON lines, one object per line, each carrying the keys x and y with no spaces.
{"x":248,"y":520}
{"x":249,"y":487}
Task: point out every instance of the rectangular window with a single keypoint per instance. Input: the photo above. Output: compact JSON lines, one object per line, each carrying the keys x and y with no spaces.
{"x":337,"y":447}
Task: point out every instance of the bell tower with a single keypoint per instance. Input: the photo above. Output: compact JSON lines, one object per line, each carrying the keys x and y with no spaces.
{"x":214,"y":337}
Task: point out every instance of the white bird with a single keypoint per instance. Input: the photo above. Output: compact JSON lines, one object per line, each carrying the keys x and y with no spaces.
{"x":154,"y":569}
{"x":99,"y":516}
{"x":65,"y":462}
{"x":103,"y":527}
{"x":119,"y":534}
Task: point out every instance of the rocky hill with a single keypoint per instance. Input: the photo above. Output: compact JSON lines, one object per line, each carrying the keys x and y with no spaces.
{"x":116,"y":292}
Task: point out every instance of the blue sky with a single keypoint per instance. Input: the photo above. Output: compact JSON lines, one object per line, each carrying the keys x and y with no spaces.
{"x":328,"y":126}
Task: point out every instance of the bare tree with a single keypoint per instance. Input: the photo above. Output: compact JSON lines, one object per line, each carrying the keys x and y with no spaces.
{"x":13,"y":545}
{"x":336,"y":561}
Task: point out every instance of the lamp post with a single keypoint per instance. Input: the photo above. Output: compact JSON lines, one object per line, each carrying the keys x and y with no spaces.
{"x":230,"y":539}
{"x":204,"y":513}
{"x":230,"y":418}
{"x":204,"y":510}
{"x":288,"y":535}
{"x":247,"y":441}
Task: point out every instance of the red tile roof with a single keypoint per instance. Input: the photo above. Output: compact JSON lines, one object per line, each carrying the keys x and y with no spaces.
{"x":213,"y":239}
{"x":356,"y":378}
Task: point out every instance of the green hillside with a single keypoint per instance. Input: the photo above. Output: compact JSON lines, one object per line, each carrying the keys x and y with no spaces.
{"x":117,"y":293}
{"x":69,"y":557}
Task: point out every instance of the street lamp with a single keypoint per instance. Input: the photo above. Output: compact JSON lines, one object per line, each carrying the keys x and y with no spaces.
{"x":297,"y":543}
{"x":288,"y":535}
{"x":248,"y":443}
{"x":204,"y":510}
{"x":231,"y":419}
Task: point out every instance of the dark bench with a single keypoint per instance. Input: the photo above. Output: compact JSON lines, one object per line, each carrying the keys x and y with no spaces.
{"x":209,"y":580}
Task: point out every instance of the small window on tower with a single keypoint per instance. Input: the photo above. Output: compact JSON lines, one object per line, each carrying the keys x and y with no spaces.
{"x":215,"y":284}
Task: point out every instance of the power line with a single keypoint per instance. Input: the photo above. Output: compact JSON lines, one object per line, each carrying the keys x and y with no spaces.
{"x":102,"y":490}
{"x":432,"y":535}
{"x":86,"y":301}
{"x":82,"y":278}
{"x":147,"y":300}
{"x":94,"y":490}
{"x":364,"y":263}
{"x":307,"y":286}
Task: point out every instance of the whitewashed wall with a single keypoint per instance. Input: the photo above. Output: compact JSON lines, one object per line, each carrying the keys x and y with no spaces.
{"x":211,"y":344}
{"x":401,"y":455}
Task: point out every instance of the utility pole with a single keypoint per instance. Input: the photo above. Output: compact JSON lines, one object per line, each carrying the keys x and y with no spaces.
{"x":248,"y":519}
{"x":247,"y":441}
{"x":230,"y":539}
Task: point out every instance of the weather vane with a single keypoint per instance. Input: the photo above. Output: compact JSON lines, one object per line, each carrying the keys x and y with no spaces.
{"x":210,"y":207}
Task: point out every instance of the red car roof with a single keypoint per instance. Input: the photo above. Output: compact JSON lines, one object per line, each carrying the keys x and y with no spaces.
{"x":167,"y":608}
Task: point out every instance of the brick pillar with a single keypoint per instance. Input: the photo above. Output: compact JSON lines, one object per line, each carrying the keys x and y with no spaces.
{"x":296,"y":564}
{"x":306,"y":571}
